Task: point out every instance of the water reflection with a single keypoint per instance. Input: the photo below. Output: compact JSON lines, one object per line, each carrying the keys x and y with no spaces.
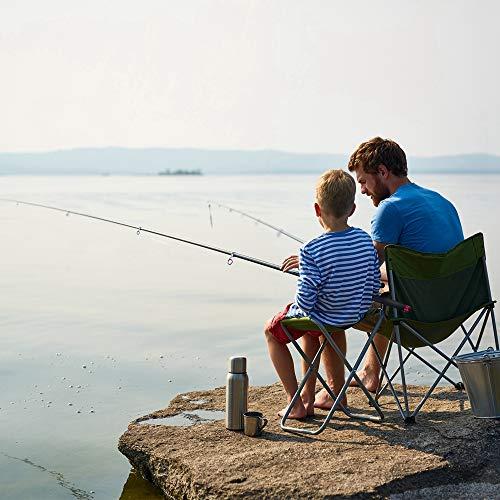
{"x":186,"y":419}
{"x":137,"y":488}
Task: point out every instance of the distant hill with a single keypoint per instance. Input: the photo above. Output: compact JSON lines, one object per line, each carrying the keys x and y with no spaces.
{"x":150,"y":161}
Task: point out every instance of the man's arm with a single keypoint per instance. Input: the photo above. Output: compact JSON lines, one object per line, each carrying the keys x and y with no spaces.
{"x":379,"y":247}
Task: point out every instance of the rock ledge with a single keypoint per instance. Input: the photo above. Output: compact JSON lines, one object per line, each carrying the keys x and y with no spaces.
{"x":446,"y":450}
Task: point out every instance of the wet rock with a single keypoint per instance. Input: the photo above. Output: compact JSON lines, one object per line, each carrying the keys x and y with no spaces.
{"x":355,"y":459}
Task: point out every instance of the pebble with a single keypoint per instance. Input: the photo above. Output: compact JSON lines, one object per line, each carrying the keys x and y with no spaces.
{"x":78,"y":411}
{"x":84,"y":366}
{"x":170,"y":380}
{"x":70,"y":404}
{"x":91,"y":411}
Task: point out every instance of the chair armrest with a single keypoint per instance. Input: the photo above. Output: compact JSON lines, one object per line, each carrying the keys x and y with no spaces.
{"x":387,"y":301}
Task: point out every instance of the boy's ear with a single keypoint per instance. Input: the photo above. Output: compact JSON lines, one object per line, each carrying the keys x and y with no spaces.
{"x":317,"y":209}
{"x":353,"y":209}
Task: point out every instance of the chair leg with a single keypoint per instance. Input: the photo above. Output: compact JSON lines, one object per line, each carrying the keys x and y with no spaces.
{"x":436,"y":382}
{"x":406,"y":414}
{"x":494,"y":329}
{"x":381,"y":387}
{"x":412,"y":351}
{"x":410,"y":417}
{"x":468,"y":338}
{"x":336,"y":400}
{"x":310,"y":370}
{"x":483,"y":327}
{"x":310,"y":363}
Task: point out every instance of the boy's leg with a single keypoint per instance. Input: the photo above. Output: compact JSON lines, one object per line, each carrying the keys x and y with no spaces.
{"x":283,"y":364}
{"x":334,"y":370}
{"x":310,"y":346}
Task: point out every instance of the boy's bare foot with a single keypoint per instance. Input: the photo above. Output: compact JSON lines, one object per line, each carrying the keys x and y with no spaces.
{"x":298,"y":411}
{"x":324,"y":401}
{"x":369,"y":379}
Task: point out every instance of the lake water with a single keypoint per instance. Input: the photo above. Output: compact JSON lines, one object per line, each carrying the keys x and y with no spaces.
{"x":100,"y":325}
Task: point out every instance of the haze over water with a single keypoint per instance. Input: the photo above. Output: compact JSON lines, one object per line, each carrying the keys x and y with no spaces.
{"x":100,"y":325}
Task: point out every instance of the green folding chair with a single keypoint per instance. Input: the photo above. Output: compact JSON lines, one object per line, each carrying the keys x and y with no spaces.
{"x":444,"y":290}
{"x":373,"y":322}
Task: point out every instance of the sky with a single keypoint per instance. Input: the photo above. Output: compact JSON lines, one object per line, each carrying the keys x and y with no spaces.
{"x":294,"y":75}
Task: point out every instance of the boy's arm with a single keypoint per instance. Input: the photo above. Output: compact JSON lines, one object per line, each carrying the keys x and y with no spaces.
{"x":308,"y":283}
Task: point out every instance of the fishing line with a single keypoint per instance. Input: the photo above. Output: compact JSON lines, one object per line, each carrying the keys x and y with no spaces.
{"x":259,"y":221}
{"x":210,"y":214}
{"x":386,"y":301}
{"x":140,"y":229}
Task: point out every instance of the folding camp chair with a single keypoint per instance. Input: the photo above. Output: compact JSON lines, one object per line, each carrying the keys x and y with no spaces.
{"x":374,"y":322}
{"x":444,"y":291}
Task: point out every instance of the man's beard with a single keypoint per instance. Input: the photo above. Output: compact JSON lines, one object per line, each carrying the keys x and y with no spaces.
{"x":380,"y":192}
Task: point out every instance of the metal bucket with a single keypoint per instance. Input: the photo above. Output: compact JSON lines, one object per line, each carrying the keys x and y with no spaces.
{"x":480,"y":372}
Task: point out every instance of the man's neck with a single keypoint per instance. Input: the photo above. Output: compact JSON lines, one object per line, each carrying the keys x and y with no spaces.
{"x":395,"y":182}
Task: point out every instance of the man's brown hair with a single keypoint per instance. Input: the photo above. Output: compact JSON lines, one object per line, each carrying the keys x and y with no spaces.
{"x":335,"y":192}
{"x":371,"y":154}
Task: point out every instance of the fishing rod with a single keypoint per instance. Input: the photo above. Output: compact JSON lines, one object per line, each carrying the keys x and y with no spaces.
{"x":386,"y":301}
{"x":139,"y":229}
{"x":259,"y":221}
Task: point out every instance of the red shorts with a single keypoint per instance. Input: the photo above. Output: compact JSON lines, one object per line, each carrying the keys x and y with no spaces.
{"x":274,"y":327}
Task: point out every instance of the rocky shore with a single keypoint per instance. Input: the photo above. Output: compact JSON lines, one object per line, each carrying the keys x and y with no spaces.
{"x":447,"y":454}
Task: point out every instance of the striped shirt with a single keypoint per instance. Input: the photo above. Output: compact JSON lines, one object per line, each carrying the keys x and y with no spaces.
{"x":339,"y":274}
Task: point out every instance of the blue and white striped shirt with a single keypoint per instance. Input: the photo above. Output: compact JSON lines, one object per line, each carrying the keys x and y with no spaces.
{"x":339,"y":274}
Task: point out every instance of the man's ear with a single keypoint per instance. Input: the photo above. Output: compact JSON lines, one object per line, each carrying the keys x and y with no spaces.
{"x":383,"y":171}
{"x":317,"y":209}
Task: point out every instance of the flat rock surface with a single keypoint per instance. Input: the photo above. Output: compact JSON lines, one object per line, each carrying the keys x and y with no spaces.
{"x":446,"y":452}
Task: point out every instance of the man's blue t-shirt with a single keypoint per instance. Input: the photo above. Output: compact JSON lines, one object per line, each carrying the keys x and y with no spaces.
{"x":417,"y":218}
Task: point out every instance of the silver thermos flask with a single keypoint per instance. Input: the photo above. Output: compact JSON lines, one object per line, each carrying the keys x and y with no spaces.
{"x":236,"y":393}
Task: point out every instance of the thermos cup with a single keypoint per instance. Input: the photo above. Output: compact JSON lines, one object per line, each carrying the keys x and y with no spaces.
{"x":236,"y":393}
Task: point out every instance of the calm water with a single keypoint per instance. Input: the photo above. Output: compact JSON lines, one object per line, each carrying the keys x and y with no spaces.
{"x":100,"y":325}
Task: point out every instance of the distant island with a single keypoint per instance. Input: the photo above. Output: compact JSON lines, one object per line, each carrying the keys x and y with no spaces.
{"x":180,"y":172}
{"x":184,"y":161}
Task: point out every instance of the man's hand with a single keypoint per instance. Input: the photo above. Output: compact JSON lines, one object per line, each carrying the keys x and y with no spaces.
{"x":291,"y":262}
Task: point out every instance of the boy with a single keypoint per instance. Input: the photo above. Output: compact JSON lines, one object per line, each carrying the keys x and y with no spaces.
{"x":339,"y":274}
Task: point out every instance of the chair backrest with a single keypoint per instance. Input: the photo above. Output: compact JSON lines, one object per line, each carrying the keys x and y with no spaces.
{"x":440,"y":287}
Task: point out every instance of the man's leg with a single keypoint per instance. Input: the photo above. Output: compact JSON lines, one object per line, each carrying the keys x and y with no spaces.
{"x":370,"y":373}
{"x":283,"y":364}
{"x":310,"y":346}
{"x":334,"y":370}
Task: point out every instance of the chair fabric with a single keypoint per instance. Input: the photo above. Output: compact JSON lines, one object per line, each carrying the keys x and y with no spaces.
{"x":443,"y":290}
{"x":366,"y":324}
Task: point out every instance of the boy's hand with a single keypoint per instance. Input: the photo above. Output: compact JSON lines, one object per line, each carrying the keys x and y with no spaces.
{"x":291,"y":262}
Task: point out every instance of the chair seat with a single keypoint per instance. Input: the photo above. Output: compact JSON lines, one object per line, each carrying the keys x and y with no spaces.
{"x":365,"y":325}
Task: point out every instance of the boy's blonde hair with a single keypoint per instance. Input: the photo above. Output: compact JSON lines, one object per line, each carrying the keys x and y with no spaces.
{"x":335,"y":192}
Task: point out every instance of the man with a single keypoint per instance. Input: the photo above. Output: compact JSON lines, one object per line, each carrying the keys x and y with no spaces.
{"x":406,"y":215}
